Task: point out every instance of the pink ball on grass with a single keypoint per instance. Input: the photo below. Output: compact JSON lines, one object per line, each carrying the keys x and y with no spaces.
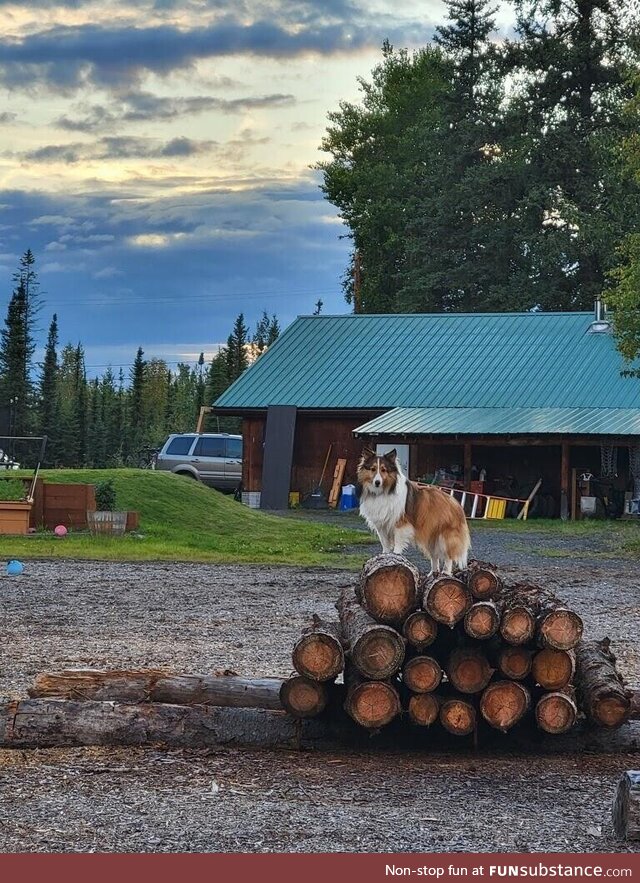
{"x":60,"y":530}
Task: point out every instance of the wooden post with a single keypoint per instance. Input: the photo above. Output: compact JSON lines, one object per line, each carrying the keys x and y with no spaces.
{"x":564,"y":482}
{"x":467,"y":466}
{"x":574,"y":494}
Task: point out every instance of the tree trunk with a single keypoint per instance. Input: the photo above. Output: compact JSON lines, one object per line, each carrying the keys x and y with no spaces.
{"x":482,"y":620}
{"x":388,"y":588}
{"x":458,"y":716}
{"x":319,"y":654}
{"x":468,"y":670}
{"x":446,"y":599}
{"x":420,"y":629}
{"x":159,"y":686}
{"x":626,"y":806}
{"x":422,"y":674}
{"x":553,"y":669}
{"x":302,"y":697}
{"x":514,"y":662}
{"x":482,"y":580}
{"x":556,"y":712}
{"x":376,"y":650}
{"x":372,"y":704}
{"x":504,"y":703}
{"x":424,"y":709}
{"x":603,"y":696}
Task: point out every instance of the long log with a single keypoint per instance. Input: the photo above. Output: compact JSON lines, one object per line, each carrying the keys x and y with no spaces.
{"x":626,"y":806}
{"x":602,"y":693}
{"x":557,"y":712}
{"x":49,"y":723}
{"x":482,"y":620}
{"x":483,"y":580}
{"x":458,"y":716}
{"x":420,"y":630}
{"x":514,"y":662}
{"x":445,"y":598}
{"x":158,"y":686}
{"x":553,"y":669}
{"x":319,"y":654}
{"x":372,"y":704}
{"x":504,"y":703}
{"x":376,"y":650}
{"x":558,"y":627}
{"x":388,"y":588}
{"x":468,"y":670}
{"x":302,"y":697}
{"x":422,"y":674}
{"x":518,"y":624}
{"x":423,"y":709}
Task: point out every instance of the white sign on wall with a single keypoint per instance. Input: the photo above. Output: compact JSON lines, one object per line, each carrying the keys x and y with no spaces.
{"x":402,"y":451}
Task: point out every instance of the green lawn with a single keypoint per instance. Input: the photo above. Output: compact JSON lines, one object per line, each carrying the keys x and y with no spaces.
{"x":182,"y":520}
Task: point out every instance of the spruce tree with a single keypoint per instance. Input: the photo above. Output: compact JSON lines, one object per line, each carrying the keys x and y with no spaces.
{"x":80,"y":406}
{"x":136,"y":415}
{"x":236,"y":352}
{"x":48,"y":412}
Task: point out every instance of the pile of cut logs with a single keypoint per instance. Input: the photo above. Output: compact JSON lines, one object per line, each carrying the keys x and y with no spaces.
{"x":461,"y":651}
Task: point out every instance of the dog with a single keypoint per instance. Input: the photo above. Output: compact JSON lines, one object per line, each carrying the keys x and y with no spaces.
{"x":404,"y":513}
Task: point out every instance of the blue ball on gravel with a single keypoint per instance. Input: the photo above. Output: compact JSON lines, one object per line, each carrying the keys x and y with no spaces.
{"x":14,"y":568}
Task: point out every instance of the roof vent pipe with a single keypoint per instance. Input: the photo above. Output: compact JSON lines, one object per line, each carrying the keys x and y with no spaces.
{"x":600,"y":325}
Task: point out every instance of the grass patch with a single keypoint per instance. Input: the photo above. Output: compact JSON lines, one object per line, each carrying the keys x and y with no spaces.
{"x":182,"y":520}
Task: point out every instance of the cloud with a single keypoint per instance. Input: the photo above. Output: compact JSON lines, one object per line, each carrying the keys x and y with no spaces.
{"x":7,"y":118}
{"x":137,"y":107}
{"x":66,"y":58}
{"x":122,"y":147}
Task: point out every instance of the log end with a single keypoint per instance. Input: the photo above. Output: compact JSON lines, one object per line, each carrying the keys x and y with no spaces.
{"x":318,"y":656}
{"x":518,"y":626}
{"x":561,"y":629}
{"x":556,"y":713}
{"x":424,"y":709}
{"x":379,"y":653}
{"x":302,"y":697}
{"x":611,"y":712}
{"x":373,"y":704}
{"x":446,"y":599}
{"x":422,"y":674}
{"x":458,"y":717}
{"x":503,"y":704}
{"x":420,"y":630}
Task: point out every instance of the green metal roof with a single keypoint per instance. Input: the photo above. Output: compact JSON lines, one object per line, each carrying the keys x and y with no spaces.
{"x":505,"y":421}
{"x":427,"y":361}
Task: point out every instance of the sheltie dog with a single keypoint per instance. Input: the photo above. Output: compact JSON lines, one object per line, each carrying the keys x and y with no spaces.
{"x":404,"y":513}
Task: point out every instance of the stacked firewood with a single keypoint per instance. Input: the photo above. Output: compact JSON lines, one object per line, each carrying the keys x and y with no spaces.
{"x":454,"y":650}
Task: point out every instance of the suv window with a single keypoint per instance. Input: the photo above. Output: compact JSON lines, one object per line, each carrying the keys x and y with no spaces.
{"x":234,"y":448}
{"x":209,"y":447}
{"x":181,"y":444}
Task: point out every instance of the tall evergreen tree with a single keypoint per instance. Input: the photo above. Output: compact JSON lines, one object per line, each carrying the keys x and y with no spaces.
{"x":571,"y":66}
{"x":48,"y":411}
{"x":136,"y":416}
{"x":236,"y":352}
{"x":80,"y":406}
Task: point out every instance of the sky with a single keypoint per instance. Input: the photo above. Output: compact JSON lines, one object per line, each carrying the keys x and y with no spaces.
{"x":156,"y":156}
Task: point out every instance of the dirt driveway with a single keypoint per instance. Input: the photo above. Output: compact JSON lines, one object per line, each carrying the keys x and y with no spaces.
{"x":208,"y":618}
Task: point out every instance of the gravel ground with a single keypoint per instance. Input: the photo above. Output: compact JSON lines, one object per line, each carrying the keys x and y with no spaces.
{"x":208,"y":618}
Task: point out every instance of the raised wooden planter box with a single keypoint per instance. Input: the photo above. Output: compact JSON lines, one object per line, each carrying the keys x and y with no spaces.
{"x":14,"y":517}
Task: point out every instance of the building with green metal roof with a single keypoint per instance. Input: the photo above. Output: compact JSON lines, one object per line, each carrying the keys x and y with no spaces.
{"x":508,"y":395}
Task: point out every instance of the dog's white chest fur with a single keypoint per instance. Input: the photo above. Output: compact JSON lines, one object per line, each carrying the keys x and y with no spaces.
{"x":382,"y":512}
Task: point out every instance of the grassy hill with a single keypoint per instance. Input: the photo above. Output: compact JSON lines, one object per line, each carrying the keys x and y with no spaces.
{"x":182,"y":520}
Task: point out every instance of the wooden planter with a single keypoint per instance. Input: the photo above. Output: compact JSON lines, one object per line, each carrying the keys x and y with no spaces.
{"x":14,"y":517}
{"x":109,"y":523}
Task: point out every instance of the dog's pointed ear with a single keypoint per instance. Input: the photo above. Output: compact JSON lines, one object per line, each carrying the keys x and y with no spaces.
{"x":367,"y":452}
{"x":391,"y":455}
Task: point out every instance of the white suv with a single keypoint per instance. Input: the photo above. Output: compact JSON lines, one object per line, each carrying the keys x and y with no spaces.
{"x":213,"y":458}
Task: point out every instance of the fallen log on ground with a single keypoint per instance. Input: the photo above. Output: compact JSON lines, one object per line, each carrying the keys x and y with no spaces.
{"x":49,"y":723}
{"x":376,"y":650}
{"x":302,"y":697}
{"x":603,"y":696}
{"x":158,"y":686}
{"x":388,"y":588}
{"x":319,"y":654}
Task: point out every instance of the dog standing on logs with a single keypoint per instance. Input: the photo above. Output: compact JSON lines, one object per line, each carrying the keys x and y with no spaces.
{"x":403,"y":513}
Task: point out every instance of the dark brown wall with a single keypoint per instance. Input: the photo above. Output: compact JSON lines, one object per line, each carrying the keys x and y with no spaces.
{"x":313,"y":436}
